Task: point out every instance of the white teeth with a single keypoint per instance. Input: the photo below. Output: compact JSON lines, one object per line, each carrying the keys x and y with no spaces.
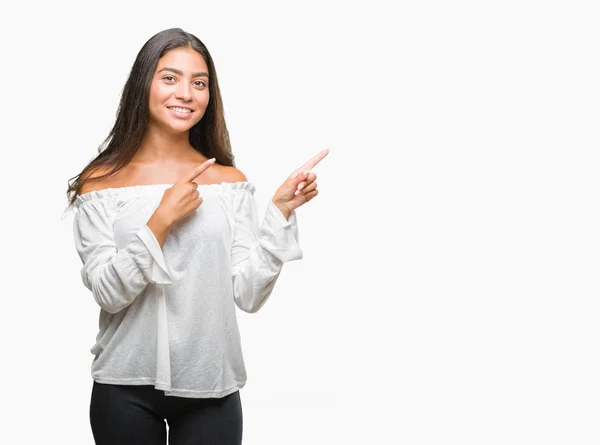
{"x":181,"y":110}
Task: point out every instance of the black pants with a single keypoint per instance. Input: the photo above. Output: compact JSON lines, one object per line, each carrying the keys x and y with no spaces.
{"x":135,"y":415}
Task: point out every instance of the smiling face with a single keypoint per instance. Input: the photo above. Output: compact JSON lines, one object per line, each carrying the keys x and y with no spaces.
{"x":179,"y":91}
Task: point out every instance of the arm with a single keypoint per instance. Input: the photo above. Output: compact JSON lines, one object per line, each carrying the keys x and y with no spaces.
{"x":158,"y":223}
{"x":160,"y":227}
{"x":258,"y":253}
{"x":115,"y":277}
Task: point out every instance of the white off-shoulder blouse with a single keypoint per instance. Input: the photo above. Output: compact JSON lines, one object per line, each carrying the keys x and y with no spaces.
{"x":167,"y":315}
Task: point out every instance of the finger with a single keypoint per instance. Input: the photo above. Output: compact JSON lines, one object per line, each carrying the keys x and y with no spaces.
{"x":311,"y":195}
{"x":312,"y":162}
{"x":199,"y":170}
{"x":193,"y":186}
{"x":309,"y":188}
{"x":296,"y":180}
{"x":309,"y":179}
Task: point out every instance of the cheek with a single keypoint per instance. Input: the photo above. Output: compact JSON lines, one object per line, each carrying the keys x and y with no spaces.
{"x":203,"y":99}
{"x":158,"y":94}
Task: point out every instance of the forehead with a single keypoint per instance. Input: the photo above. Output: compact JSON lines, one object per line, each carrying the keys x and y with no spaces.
{"x":183,"y":59}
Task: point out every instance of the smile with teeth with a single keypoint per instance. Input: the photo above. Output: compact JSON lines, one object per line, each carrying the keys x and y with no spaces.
{"x":180,"y":110}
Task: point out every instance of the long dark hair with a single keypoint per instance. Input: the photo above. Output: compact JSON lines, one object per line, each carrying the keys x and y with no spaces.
{"x":209,"y":136}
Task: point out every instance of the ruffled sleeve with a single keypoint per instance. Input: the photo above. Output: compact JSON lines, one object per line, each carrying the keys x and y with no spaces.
{"x":258,"y":252}
{"x":115,"y":276}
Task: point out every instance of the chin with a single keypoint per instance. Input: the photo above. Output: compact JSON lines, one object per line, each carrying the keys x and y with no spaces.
{"x":179,"y":128}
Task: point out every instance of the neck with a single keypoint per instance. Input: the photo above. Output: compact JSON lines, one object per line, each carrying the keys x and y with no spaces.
{"x":160,"y":145}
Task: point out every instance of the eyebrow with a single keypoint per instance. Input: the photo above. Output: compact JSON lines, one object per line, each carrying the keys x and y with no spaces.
{"x":176,"y":71}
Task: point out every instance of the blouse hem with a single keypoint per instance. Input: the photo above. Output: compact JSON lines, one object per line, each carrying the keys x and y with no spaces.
{"x":188,"y":393}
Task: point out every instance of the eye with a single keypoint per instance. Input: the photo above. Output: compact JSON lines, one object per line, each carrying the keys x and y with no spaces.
{"x":200,"y":83}
{"x":169,"y":78}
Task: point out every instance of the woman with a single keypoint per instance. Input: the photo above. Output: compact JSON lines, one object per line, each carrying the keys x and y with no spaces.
{"x":167,"y":231}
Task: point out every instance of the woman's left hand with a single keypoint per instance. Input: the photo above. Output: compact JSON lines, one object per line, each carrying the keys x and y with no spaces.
{"x":299,"y":188}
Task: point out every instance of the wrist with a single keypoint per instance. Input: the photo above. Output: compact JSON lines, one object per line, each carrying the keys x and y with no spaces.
{"x":284,"y":210}
{"x":161,"y":220}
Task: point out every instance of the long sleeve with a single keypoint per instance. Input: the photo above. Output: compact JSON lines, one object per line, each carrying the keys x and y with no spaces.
{"x":258,"y":253}
{"x":115,"y":276}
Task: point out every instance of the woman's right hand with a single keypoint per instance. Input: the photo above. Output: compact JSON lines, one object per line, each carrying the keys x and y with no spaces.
{"x":178,"y":201}
{"x":183,"y":197}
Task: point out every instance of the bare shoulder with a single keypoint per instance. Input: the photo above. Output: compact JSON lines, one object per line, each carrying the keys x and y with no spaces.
{"x":89,"y":183}
{"x":232,"y":174}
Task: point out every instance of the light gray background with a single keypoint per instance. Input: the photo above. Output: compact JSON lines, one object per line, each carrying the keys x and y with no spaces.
{"x":449,"y":287}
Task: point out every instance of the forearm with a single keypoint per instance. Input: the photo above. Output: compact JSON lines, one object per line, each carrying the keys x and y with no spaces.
{"x":160,"y":226}
{"x":257,"y":258}
{"x":117,"y":276}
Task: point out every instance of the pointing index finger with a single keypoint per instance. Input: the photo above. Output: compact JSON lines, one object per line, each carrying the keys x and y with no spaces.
{"x":308,"y":166}
{"x":199,"y":170}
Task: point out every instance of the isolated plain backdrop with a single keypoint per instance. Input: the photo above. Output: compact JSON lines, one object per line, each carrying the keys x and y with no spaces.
{"x":449,"y":287}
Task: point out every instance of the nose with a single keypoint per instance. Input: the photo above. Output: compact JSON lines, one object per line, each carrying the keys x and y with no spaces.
{"x":184,"y":91}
